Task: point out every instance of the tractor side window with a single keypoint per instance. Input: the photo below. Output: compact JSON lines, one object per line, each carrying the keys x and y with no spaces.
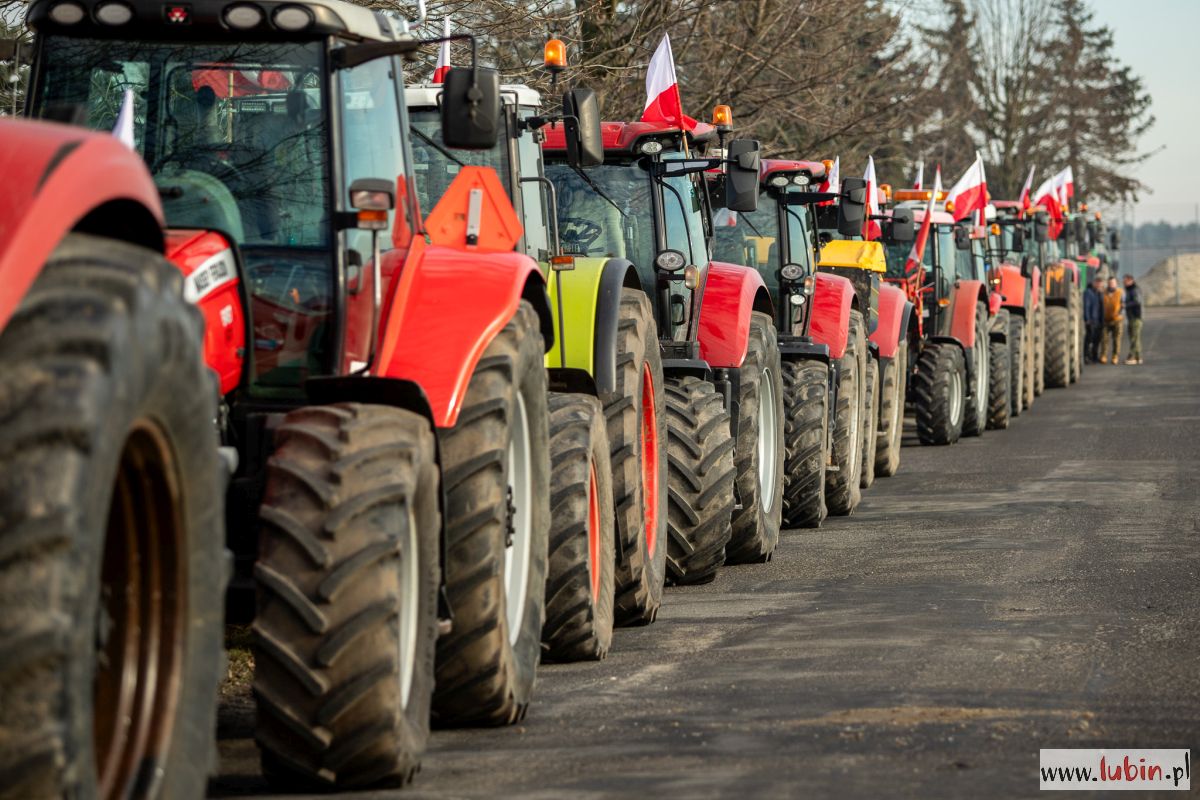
{"x":800,"y":246}
{"x":372,"y":146}
{"x":683,"y":215}
{"x":534,"y":195}
{"x":945,"y":260}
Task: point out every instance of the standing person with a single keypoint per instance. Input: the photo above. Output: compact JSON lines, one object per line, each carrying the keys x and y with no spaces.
{"x":1114,"y":305}
{"x":1093,"y":319}
{"x":1133,"y":310}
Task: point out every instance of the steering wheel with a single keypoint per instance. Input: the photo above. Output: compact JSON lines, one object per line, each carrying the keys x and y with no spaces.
{"x":581,"y":233}
{"x":210,"y":161}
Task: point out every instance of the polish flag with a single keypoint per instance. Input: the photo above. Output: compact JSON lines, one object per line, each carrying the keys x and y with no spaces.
{"x":833,"y":181}
{"x":871,"y":226}
{"x":1047,"y":195}
{"x":662,"y":90}
{"x":913,"y":263}
{"x":1064,"y":182}
{"x":1026,"y":198}
{"x":443,"y":60}
{"x":919,"y":183}
{"x":970,"y":193}
{"x":123,"y":130}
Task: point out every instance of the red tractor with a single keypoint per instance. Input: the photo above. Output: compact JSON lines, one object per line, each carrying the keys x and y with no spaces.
{"x":823,"y":340}
{"x":1016,"y":278}
{"x":647,"y":205}
{"x":381,"y":382}
{"x":951,"y":337}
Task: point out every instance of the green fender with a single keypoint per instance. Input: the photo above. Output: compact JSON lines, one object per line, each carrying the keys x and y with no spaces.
{"x":584,"y":304}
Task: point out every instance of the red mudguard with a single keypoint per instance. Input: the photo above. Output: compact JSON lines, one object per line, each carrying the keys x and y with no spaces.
{"x":54,"y":176}
{"x":450,"y":299}
{"x":962,"y":311}
{"x":729,"y":295}
{"x":209,"y":269}
{"x":1012,"y":286}
{"x":829,"y":317}
{"x":889,"y":331}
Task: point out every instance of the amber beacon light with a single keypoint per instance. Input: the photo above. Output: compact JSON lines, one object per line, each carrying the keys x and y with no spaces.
{"x":554,"y":56}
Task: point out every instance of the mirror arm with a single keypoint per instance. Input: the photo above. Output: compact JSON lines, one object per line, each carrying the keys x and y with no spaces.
{"x":357,"y":54}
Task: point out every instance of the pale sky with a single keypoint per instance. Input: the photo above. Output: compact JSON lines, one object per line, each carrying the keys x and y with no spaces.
{"x":1158,"y":39}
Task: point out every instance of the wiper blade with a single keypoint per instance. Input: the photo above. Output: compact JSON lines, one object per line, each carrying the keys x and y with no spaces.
{"x":429,"y":141}
{"x":597,"y":189}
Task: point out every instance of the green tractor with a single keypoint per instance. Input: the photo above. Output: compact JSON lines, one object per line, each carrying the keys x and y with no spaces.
{"x":608,"y":529}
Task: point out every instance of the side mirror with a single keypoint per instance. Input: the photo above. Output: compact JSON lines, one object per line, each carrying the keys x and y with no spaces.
{"x":1018,"y":238}
{"x":471,"y":108}
{"x":852,"y":207}
{"x":902,"y":229}
{"x":962,"y":238}
{"x":1027,"y":266}
{"x":1114,"y":240}
{"x":1081,"y":231}
{"x":1041,"y":228}
{"x":581,"y":113}
{"x":741,"y":179}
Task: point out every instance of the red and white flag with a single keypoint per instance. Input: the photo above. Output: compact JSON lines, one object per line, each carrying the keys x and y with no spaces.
{"x":871,"y":226}
{"x":1026,"y":199}
{"x":970,"y":193}
{"x":443,"y":61}
{"x":919,"y":183}
{"x":662,"y":90}
{"x":1064,"y":182}
{"x":1047,"y":196}
{"x":917,"y":254}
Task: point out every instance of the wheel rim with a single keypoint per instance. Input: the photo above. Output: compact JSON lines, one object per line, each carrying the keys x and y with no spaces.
{"x":981,"y":377}
{"x":410,"y":600}
{"x":649,"y":440}
{"x":855,"y":412}
{"x":140,"y":625}
{"x":520,"y":489}
{"x":593,"y":532}
{"x":768,"y":441}
{"x":898,"y":402}
{"x":956,"y":396}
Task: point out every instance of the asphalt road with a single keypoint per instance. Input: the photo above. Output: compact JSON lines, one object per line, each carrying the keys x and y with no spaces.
{"x":1037,"y":587}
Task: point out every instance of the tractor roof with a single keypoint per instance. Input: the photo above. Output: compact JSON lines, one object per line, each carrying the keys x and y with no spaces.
{"x":1007,"y":205}
{"x":939,"y":217}
{"x":425,"y":95}
{"x":815,"y":170}
{"x":204,"y":20}
{"x":625,"y":137}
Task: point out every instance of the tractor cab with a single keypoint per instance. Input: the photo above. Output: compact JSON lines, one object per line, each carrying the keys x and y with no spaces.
{"x":276,"y":128}
{"x":947,"y":253}
{"x":647,"y":204}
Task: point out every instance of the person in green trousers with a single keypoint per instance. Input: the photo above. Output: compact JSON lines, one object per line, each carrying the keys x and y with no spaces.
{"x":1133,"y":313}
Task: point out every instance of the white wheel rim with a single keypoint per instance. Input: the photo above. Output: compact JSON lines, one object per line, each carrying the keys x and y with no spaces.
{"x":897,"y":403}
{"x":517,"y":556}
{"x":981,"y":379}
{"x":855,"y":413}
{"x":410,"y":599}
{"x":956,"y":392}
{"x":768,"y":441}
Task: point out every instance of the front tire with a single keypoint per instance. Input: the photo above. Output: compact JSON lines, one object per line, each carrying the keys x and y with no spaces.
{"x":579,"y":581}
{"x":347,"y":579}
{"x":495,"y":466}
{"x":112,"y":558}
{"x":806,"y":393}
{"x":759,"y":451}
{"x":637,"y":433}
{"x":871,"y":428}
{"x":700,"y":479}
{"x":975,"y":417}
{"x":843,"y":488}
{"x":893,"y":386}
{"x":938,"y":388}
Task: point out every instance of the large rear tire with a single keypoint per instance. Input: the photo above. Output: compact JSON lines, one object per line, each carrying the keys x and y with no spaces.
{"x":347,"y":579}
{"x":893,"y":385}
{"x":637,"y":435}
{"x":759,"y":451}
{"x":938,"y":393}
{"x":975,"y":417}
{"x":806,"y":394}
{"x":1058,"y":347}
{"x":496,"y":470}
{"x":112,"y":558}
{"x":579,"y":582}
{"x":843,"y":487}
{"x":871,"y":428}
{"x":700,"y":479}
{"x":1017,"y":352}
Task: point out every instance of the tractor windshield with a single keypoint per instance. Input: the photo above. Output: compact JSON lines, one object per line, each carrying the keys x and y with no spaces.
{"x":606,"y":214}
{"x":435,"y":166}
{"x":897,"y":255}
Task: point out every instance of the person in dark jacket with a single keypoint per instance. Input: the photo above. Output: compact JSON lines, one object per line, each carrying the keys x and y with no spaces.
{"x":1133,"y":313}
{"x":1093,"y":319}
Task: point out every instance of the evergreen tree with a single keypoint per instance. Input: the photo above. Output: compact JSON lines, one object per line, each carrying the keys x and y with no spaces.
{"x":949,"y":137}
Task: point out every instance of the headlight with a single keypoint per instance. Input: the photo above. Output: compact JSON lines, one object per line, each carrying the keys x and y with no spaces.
{"x":67,"y":13}
{"x":243,"y":16}
{"x":670,"y":260}
{"x":797,"y":299}
{"x":792,"y":272}
{"x":800,"y":180}
{"x":292,"y":18}
{"x":779,"y":180}
{"x":114,"y":13}
{"x":651,"y":147}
